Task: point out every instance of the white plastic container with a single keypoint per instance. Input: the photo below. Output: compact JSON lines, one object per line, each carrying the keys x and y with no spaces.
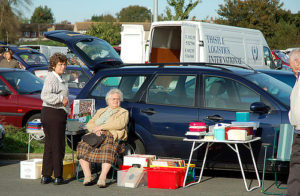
{"x":31,"y":169}
{"x":124,"y":180}
{"x":253,"y":124}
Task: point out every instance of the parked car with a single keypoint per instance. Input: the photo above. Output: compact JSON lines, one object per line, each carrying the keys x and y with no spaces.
{"x":26,"y":56}
{"x":279,"y":55}
{"x":76,"y":76}
{"x":20,"y":98}
{"x":2,"y":135}
{"x":287,"y":77}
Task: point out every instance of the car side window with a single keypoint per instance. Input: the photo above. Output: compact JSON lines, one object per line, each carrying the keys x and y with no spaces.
{"x":129,"y":85}
{"x":172,"y":90}
{"x":228,"y":94}
{"x":3,"y":86}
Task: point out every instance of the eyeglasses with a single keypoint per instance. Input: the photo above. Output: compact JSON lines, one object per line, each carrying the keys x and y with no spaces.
{"x":115,"y":99}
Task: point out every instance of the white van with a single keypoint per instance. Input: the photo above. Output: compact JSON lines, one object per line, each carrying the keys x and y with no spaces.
{"x":190,"y":41}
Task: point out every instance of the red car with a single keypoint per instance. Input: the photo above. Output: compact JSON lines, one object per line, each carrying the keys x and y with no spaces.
{"x":279,"y":55}
{"x":20,"y":97}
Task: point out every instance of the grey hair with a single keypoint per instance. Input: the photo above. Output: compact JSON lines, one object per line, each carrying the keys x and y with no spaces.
{"x":113,"y":91}
{"x":295,"y":55}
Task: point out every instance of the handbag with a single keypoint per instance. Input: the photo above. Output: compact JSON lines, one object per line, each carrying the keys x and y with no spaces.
{"x":93,"y":140}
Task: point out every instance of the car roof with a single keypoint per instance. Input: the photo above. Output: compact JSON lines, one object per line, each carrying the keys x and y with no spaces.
{"x":19,"y":49}
{"x":10,"y":69}
{"x":238,"y":70}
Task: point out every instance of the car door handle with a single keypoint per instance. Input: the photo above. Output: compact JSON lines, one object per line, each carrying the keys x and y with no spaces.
{"x":215,"y":118}
{"x":149,"y":111}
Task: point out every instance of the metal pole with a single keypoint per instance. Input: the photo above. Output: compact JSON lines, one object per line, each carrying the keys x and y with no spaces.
{"x":154,"y":10}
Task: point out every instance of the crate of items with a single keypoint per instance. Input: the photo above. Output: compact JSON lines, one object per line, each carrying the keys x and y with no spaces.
{"x":141,"y":159}
{"x":31,"y":169}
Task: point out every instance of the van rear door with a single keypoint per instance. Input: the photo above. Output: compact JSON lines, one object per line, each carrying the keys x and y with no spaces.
{"x":189,"y":42}
{"x":132,"y":44}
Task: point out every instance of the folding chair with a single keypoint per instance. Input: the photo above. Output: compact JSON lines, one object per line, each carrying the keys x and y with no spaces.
{"x":281,"y":152}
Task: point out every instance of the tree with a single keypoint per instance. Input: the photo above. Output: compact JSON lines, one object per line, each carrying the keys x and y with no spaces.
{"x":134,"y":14}
{"x":10,"y":11}
{"x":182,"y":11}
{"x":108,"y":31}
{"x":278,"y":26}
{"x":103,"y":18}
{"x":42,"y":15}
{"x":259,"y":14}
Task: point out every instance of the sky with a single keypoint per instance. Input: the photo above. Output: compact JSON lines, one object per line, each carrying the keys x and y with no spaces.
{"x":78,"y":10}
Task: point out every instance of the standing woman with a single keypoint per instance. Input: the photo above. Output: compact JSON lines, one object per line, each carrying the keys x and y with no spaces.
{"x":54,"y":117}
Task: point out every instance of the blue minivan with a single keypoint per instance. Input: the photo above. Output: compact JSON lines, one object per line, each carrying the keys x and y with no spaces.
{"x":162,"y":100}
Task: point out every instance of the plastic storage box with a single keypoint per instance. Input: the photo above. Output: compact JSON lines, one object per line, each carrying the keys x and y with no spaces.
{"x":124,"y":180}
{"x":165,"y":177}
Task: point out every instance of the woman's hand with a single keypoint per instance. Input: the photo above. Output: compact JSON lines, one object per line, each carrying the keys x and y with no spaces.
{"x":65,"y":101}
{"x":98,"y":130}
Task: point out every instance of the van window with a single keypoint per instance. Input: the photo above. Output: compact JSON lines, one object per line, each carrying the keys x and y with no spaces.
{"x":172,"y":90}
{"x":129,"y":85}
{"x":268,"y":58}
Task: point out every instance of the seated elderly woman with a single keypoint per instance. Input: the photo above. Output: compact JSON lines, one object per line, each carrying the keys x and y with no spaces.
{"x":111,"y":121}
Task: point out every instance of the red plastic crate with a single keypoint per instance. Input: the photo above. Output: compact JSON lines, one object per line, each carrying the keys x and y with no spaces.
{"x":165,"y":178}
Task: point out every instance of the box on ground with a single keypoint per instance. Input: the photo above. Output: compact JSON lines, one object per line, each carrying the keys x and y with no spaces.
{"x":132,"y":178}
{"x":165,"y":177}
{"x":190,"y":175}
{"x":31,"y":169}
{"x":68,"y":170}
{"x":141,"y":159}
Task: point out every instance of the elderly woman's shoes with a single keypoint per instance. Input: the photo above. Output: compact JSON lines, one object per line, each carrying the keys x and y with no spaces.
{"x":88,"y":181}
{"x":101,"y":183}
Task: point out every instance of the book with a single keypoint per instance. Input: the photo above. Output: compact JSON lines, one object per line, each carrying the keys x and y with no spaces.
{"x":83,"y":109}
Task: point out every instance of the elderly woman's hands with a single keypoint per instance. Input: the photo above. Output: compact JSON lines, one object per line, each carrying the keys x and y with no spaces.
{"x":98,"y":130}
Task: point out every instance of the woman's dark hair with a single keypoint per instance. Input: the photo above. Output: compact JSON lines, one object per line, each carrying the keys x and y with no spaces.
{"x":56,"y":58}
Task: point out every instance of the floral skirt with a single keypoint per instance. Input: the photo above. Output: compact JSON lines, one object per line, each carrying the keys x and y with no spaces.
{"x":106,"y":153}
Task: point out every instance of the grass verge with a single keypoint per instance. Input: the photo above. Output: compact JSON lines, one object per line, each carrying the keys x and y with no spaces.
{"x":16,"y":141}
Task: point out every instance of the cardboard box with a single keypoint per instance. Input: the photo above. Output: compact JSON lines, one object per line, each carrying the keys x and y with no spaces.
{"x":141,"y":159}
{"x":31,"y":169}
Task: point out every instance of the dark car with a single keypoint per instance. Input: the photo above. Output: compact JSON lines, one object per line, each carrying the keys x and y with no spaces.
{"x":20,"y":97}
{"x":162,"y":101}
{"x":76,"y":76}
{"x":287,"y":77}
{"x":27,"y":57}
